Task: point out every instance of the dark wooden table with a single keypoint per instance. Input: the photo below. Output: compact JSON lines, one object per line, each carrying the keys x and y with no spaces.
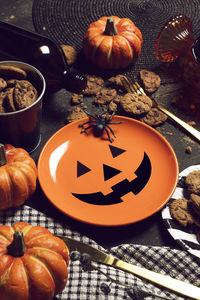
{"x":148,"y":232}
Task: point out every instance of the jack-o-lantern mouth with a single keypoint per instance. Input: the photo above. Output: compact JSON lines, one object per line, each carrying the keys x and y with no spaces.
{"x":123,"y":187}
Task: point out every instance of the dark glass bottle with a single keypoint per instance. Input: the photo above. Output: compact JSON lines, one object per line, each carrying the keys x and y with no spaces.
{"x":175,"y":40}
{"x":41,"y":52}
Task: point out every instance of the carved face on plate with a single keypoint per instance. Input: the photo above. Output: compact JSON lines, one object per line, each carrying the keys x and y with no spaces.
{"x":118,"y":188}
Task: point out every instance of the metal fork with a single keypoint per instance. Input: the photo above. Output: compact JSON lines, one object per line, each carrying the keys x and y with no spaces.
{"x":133,"y":86}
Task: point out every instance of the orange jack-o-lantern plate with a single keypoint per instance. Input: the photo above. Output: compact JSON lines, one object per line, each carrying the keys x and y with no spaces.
{"x":108,"y":184}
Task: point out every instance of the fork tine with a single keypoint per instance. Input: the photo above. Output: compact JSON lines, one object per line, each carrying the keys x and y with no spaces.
{"x":132,"y":83}
{"x":127,"y":85}
{"x":140,"y":88}
{"x":135,"y":84}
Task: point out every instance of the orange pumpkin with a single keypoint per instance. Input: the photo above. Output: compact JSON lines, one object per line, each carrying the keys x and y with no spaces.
{"x":18,"y":175}
{"x":112,"y":43}
{"x":33,"y":263}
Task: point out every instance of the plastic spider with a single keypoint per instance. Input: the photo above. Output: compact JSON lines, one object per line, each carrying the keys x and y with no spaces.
{"x":99,"y":122}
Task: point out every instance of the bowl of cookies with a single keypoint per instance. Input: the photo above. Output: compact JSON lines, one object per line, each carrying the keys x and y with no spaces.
{"x":22,"y":87}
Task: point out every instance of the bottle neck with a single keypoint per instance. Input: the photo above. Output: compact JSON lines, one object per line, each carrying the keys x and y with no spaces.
{"x":73,"y":81}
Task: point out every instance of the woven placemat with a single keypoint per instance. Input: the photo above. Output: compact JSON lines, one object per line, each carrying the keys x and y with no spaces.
{"x":65,"y":21}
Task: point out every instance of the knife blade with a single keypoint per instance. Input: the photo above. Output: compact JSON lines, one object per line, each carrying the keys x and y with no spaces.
{"x":100,"y":256}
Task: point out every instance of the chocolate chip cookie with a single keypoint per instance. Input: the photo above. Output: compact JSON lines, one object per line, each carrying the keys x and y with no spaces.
{"x":94,"y":85}
{"x":116,"y":80}
{"x":24,"y":94}
{"x":77,"y":99}
{"x":195,"y":203}
{"x":135,"y":104}
{"x":192,"y":182}
{"x":12,"y":72}
{"x":150,"y":80}
{"x":2,"y":96}
{"x":179,"y":210}
{"x":154,"y":117}
{"x":9,"y":104}
{"x":3,"y":84}
{"x":76,"y":114}
{"x":105,"y":96}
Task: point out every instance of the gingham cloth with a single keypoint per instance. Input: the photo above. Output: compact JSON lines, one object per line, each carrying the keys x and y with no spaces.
{"x":84,"y":285}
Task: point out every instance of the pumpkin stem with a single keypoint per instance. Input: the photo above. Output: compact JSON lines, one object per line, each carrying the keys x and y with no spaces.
{"x":3,"y":159}
{"x":110,"y":27}
{"x":17,"y":247}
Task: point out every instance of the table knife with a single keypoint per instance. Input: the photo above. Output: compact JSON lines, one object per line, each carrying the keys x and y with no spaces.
{"x":100,"y":256}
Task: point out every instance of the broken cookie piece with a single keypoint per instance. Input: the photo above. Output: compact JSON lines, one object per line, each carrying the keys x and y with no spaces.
{"x":105,"y":96}
{"x":70,"y":54}
{"x":150,"y":80}
{"x":116,"y":80}
{"x":94,"y":85}
{"x":77,"y":99}
{"x":76,"y":114}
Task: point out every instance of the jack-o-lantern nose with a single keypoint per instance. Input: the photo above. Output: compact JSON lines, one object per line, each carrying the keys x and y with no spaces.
{"x":109,"y":172}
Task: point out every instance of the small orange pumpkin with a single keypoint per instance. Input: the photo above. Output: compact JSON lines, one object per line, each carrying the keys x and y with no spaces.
{"x":33,"y":263}
{"x":112,"y":43}
{"x":18,"y":175}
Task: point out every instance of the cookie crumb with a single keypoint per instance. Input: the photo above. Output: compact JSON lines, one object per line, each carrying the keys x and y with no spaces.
{"x":168,"y":133}
{"x":191,"y":123}
{"x":188,"y":149}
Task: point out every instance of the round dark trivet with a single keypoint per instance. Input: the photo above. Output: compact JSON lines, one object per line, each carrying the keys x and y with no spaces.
{"x":65,"y":21}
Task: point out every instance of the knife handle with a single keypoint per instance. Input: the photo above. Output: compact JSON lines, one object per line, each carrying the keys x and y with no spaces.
{"x":175,"y":285}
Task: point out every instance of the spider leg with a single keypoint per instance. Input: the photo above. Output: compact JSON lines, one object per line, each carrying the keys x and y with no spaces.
{"x":84,"y":129}
{"x":110,"y":130}
{"x":116,"y":122}
{"x":108,"y":134}
{"x":90,"y":115}
{"x":81,"y":125}
{"x":110,"y":118}
{"x":101,"y":113}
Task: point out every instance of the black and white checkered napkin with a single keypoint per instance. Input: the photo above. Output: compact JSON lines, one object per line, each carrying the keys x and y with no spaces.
{"x":84,"y":285}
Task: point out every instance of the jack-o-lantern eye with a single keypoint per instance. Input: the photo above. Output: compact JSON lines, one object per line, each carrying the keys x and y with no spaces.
{"x":115,"y":151}
{"x":82,"y":169}
{"x":109,"y":172}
